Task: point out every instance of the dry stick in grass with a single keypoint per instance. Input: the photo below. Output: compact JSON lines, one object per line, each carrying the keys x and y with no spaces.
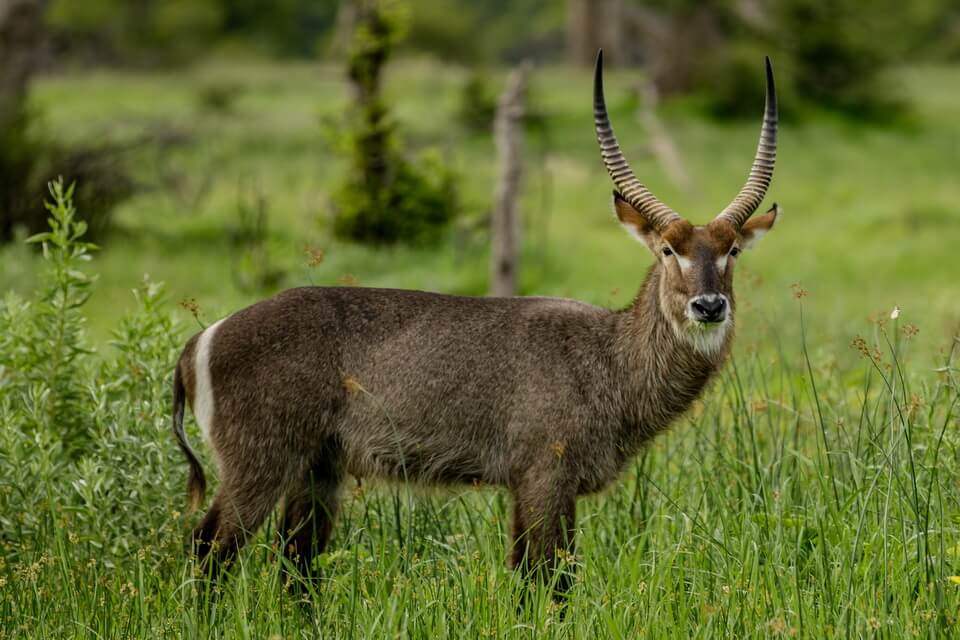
{"x":505,"y":225}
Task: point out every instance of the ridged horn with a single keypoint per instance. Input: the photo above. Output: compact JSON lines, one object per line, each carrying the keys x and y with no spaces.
{"x":753,"y":192}
{"x":655,"y":212}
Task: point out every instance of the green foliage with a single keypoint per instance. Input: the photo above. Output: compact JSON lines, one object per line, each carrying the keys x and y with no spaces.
{"x":253,"y":268}
{"x":478,"y":103}
{"x":219,"y":98}
{"x":827,"y":54}
{"x":144,"y":32}
{"x":154,"y":32}
{"x":29,"y":160}
{"x":839,"y":51}
{"x":414,"y":205}
{"x":151,"y":32}
{"x":82,"y":437}
{"x":812,"y":501}
{"x":49,"y":359}
{"x":732,"y":81}
{"x":385,"y":197}
{"x":18,"y":156}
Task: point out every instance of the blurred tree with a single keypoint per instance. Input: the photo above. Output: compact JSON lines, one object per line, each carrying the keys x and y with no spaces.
{"x":386,"y":197}
{"x":828,"y":53}
{"x":21,"y":36}
{"x":148,"y":32}
{"x":505,"y":221}
{"x":28,"y":160}
{"x":672,"y":37}
{"x":175,"y":31}
{"x":592,"y":25}
{"x":477,"y":102}
{"x":676,"y":37}
{"x":281,"y":27}
{"x":839,"y":50}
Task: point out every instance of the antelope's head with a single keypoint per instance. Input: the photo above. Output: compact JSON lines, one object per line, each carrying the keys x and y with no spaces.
{"x":697,"y":261}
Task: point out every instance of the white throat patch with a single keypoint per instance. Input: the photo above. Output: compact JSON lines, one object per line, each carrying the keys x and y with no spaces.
{"x":708,"y":339}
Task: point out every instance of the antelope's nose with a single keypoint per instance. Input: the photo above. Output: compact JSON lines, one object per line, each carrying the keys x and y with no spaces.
{"x":709,"y":308}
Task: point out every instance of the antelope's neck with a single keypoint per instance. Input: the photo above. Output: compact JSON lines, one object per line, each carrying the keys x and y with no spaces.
{"x":662,"y":372}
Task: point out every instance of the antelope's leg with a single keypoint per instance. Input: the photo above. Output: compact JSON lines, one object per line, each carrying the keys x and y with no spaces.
{"x":237,"y":512}
{"x":311,"y":507}
{"x":544,"y":524}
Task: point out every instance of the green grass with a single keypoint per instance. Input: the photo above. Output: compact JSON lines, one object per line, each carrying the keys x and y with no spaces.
{"x":814,"y":492}
{"x":869,"y":212}
{"x":788,"y":504}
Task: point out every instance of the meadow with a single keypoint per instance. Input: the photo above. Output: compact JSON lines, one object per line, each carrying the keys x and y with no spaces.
{"x":814,"y":492}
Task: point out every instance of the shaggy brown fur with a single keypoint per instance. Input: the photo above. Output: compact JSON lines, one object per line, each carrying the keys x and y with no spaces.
{"x":547,"y":397}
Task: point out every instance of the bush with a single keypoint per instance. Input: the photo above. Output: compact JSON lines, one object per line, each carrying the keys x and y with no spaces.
{"x":733,"y":81}
{"x":478,"y":104}
{"x":18,"y":156}
{"x":386,"y":197}
{"x":826,"y":54}
{"x":839,"y":52}
{"x":84,"y":441}
{"x":415,"y":205}
{"x":28,"y":162}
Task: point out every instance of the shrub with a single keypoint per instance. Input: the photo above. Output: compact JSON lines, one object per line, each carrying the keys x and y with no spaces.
{"x":733,"y":81}
{"x":478,"y":104}
{"x":84,"y":440}
{"x":414,"y":206}
{"x":386,"y":196}
{"x":840,"y":51}
{"x":28,"y":162}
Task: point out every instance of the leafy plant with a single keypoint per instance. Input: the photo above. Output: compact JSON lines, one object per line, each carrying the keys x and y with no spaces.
{"x":81,"y":437}
{"x":386,"y":196}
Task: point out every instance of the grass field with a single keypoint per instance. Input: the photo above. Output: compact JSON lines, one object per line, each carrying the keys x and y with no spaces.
{"x":869,"y":212}
{"x":814,"y":492}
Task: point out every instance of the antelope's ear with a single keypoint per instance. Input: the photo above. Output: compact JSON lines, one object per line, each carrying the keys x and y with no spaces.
{"x":635,"y":224}
{"x":757,"y":227}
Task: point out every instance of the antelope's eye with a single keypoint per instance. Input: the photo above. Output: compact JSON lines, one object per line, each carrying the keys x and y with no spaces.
{"x":667,"y":251}
{"x":735,"y":251}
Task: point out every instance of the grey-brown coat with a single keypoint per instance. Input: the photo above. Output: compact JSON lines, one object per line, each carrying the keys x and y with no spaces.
{"x":545,"y":396}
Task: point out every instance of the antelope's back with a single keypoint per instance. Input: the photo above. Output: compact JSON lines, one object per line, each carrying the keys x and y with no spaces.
{"x":430,"y":382}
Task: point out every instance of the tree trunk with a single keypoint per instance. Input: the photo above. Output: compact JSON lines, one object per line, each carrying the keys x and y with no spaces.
{"x":661,"y":143}
{"x":505,"y":225}
{"x":21,"y":34}
{"x":592,"y":25}
{"x":21,"y":31}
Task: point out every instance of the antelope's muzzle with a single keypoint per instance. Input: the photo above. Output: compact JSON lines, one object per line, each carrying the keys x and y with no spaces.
{"x":709,"y":308}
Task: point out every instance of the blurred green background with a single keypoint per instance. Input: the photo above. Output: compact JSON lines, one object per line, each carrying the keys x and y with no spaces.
{"x":234,"y":148}
{"x":213,"y":137}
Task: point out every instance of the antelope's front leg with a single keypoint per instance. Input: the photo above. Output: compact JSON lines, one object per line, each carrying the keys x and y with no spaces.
{"x":544,"y":523}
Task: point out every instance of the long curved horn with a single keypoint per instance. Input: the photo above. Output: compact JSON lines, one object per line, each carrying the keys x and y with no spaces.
{"x":655,"y":212}
{"x":752,"y":193}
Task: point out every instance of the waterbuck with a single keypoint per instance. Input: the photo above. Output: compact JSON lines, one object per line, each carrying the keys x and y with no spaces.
{"x":545,"y":396}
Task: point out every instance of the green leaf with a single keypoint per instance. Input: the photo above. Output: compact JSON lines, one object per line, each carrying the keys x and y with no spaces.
{"x":38,"y":237}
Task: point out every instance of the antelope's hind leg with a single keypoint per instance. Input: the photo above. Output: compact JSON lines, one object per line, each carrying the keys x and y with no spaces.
{"x":246,"y":496}
{"x":309,"y":513}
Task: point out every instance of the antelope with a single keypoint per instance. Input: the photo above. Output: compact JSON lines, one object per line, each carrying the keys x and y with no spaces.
{"x":548,"y":397}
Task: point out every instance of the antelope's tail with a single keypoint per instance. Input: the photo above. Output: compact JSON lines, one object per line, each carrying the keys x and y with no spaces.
{"x":197,"y":483}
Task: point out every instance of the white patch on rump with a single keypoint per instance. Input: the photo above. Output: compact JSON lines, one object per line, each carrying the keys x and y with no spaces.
{"x":203,"y":401}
